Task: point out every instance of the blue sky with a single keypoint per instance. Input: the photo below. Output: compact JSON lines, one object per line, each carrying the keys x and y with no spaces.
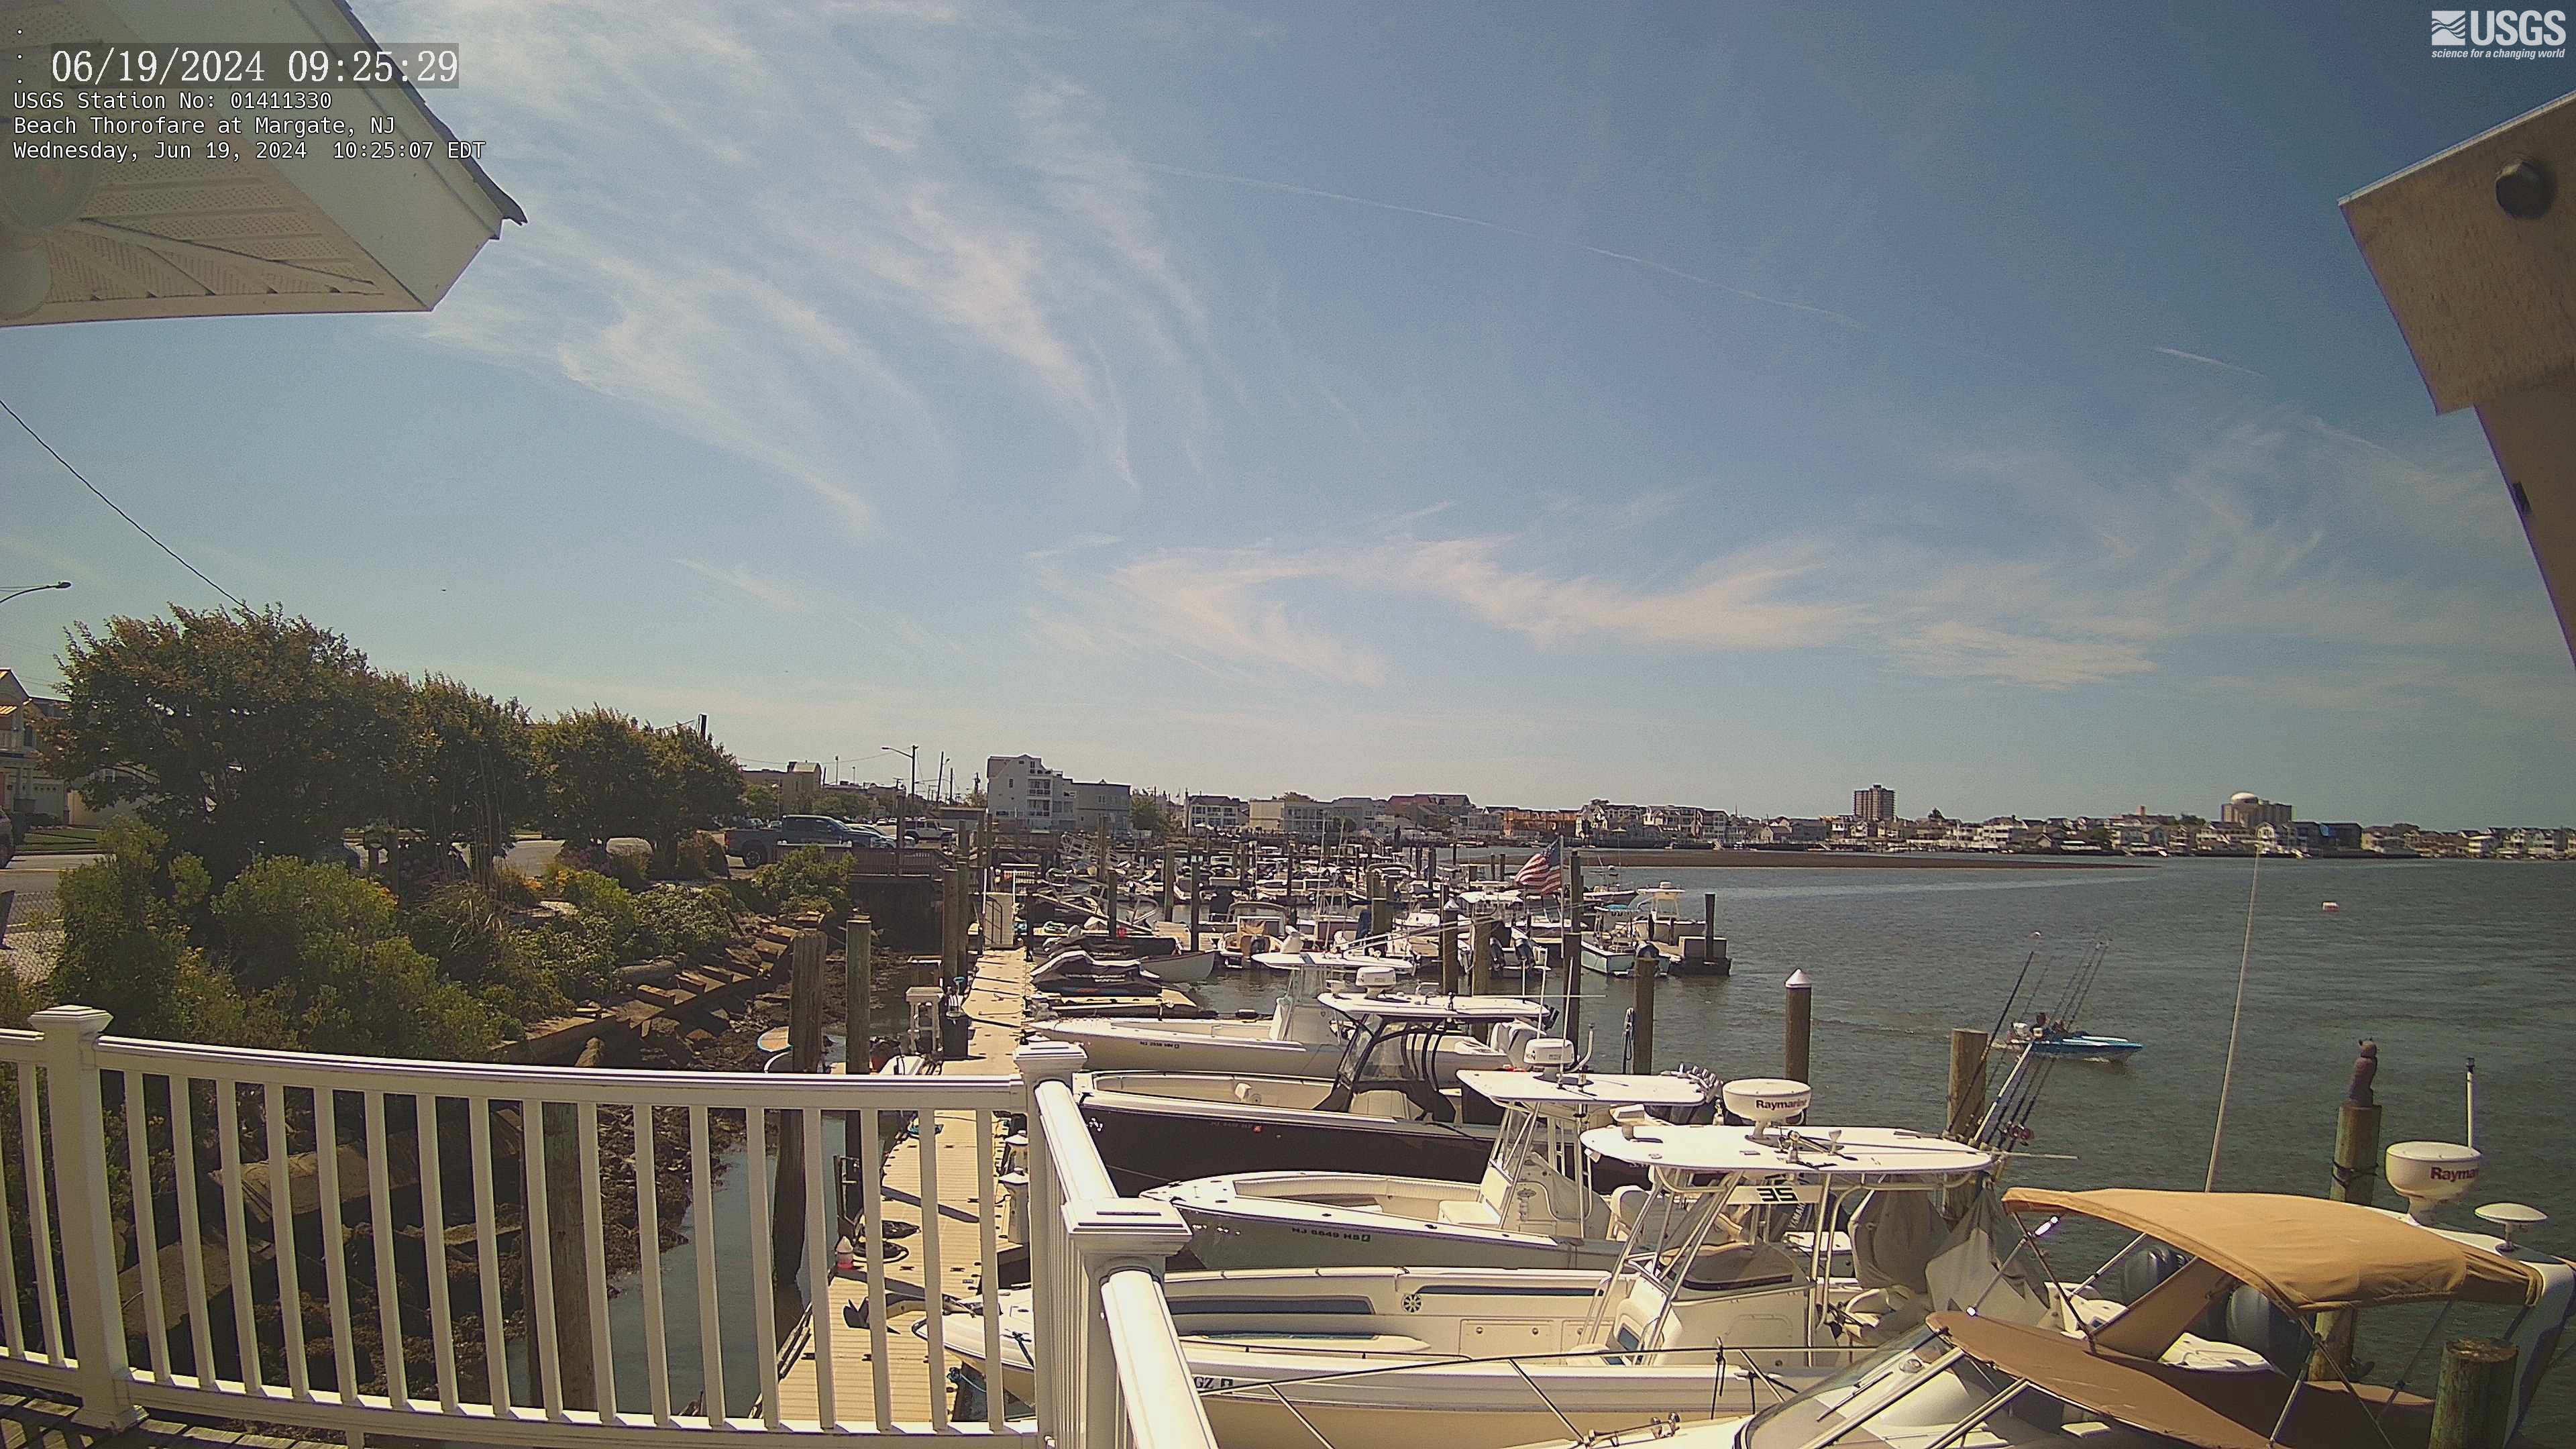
{"x":1727,"y":404}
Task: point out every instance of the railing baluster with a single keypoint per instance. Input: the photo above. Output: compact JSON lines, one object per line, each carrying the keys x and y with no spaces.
{"x":539,"y":1252}
{"x":373,"y":1108}
{"x":335,"y":1247}
{"x":648,"y":1239}
{"x":256,"y":1097}
{"x":433,"y":1242}
{"x":29,"y":1174}
{"x":283,"y":1242}
{"x":702,"y":1212}
{"x":872,"y":1220}
{"x":487,"y":1254}
{"x":932,"y":1279}
{"x":40,"y":1212}
{"x":603,"y":1367}
{"x":763,"y":1292}
{"x":988,"y":1215}
{"x":820,"y":1222}
{"x":192,"y":1247}
{"x":245,"y":1330}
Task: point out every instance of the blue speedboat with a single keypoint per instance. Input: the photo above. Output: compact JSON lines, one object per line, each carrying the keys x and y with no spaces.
{"x":2083,"y":1045}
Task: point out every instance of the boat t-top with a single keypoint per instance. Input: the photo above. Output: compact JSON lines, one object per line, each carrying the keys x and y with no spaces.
{"x":1389,"y":1105}
{"x":2120,"y":1381}
{"x":1533,"y":1208}
{"x":1756,"y":1261}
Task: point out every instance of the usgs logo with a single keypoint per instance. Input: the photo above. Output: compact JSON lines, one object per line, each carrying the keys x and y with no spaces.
{"x":2500,"y":34}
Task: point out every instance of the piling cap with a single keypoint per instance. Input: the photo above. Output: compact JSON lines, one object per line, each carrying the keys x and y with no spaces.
{"x":1798,"y":981}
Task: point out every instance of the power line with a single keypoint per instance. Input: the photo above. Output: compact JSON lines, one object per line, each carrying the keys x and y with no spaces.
{"x":121,"y":513}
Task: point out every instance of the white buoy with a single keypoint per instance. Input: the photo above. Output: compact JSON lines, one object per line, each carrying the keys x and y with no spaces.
{"x":2331,"y":907}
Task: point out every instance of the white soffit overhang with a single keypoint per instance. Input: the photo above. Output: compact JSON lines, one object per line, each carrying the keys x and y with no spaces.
{"x":249,"y":237}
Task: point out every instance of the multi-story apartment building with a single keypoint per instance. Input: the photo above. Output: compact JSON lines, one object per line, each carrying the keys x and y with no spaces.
{"x":1875,"y":805}
{"x":1022,"y":790}
{"x":1218,"y":812}
{"x":1292,"y":816}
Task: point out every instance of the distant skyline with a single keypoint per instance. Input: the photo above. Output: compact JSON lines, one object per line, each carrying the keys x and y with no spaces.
{"x":1725,"y":405}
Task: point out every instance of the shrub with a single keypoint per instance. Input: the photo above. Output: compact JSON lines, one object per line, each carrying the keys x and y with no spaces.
{"x":510,"y":888}
{"x":459,"y":927}
{"x":677,"y":921}
{"x":698,"y":856}
{"x":317,"y":947}
{"x":809,"y":876}
{"x":122,"y":935}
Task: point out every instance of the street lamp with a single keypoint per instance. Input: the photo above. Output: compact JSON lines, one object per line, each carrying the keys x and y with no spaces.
{"x":33,"y":589}
{"x":912,"y":761}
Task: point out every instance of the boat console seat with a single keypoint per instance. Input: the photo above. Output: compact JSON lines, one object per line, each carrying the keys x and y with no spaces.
{"x":1385,"y":1102}
{"x":1625,"y":1204}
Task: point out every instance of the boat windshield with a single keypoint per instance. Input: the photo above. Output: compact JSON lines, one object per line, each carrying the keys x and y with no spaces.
{"x":1904,"y":1389}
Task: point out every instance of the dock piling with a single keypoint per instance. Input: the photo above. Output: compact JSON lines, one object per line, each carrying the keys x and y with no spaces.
{"x":1967,"y":1080}
{"x":1801,"y":1020}
{"x":1641,"y":1010}
{"x":1480,"y":966}
{"x":2356,"y":1169}
{"x":787,"y":1201}
{"x":1448,"y":952}
{"x":2474,"y":1404}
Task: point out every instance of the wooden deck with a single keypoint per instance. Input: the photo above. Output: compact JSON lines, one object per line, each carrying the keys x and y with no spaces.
{"x":996,"y":1006}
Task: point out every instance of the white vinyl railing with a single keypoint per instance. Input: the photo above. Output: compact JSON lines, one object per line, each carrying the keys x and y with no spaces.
{"x":359,"y":1245}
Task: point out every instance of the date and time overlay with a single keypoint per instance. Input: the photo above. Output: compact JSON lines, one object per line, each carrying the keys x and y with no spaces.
{"x":107,"y":104}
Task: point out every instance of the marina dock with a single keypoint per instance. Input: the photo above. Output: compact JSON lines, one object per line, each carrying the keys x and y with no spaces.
{"x":995,"y":1005}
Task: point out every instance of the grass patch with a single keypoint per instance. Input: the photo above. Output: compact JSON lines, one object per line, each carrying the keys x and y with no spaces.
{"x":59,"y":840}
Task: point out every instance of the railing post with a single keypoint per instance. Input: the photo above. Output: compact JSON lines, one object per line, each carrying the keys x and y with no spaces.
{"x":75,"y":1122}
{"x":1050,"y":1315}
{"x":1109,"y":1237}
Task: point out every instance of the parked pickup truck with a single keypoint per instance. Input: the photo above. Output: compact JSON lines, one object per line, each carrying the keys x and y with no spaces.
{"x":759,"y":844}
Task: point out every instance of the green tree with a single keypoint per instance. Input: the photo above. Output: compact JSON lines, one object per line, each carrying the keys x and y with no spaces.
{"x":241,"y":734}
{"x":761,"y":801}
{"x":602,"y":776}
{"x":465,"y":765}
{"x":697,"y":784}
{"x":1148,"y":813}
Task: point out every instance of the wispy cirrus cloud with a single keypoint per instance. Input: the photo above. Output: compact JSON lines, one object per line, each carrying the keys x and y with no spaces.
{"x":760,"y":587}
{"x":818,"y":318}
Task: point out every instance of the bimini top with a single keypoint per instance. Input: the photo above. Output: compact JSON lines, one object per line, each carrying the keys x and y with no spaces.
{"x":1591,"y":1091}
{"x":1433,"y":1007}
{"x":1879,"y":1152}
{"x":2211,"y":1408}
{"x":2305,"y":1253}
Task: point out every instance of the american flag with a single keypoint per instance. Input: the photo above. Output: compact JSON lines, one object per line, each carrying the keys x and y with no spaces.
{"x":1543,"y":873}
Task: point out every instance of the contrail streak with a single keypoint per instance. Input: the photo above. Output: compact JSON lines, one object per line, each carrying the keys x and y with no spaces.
{"x":1631,"y":258}
{"x":2208,"y":361}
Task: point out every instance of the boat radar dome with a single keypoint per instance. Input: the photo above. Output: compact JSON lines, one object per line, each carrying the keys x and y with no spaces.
{"x":1379,"y":980}
{"x":2509,"y":1218}
{"x":1767,"y":1101}
{"x":2429,"y":1174}
{"x":1548,"y":1053}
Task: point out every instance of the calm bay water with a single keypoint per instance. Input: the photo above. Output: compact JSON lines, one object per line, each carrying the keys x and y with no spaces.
{"x":2440,"y":961}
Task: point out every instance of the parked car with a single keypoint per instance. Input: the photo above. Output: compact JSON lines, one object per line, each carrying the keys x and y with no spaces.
{"x":760,"y":843}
